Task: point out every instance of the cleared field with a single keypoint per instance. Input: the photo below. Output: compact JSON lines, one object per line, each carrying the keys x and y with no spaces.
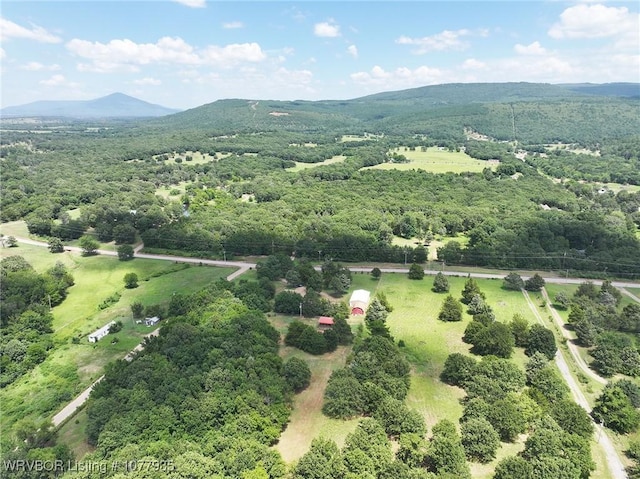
{"x":436,"y":161}
{"x":197,"y":158}
{"x":14,"y":228}
{"x":429,"y":341}
{"x":70,"y":367}
{"x":305,"y":166}
{"x":307,"y":421}
{"x":172,"y":192}
{"x":366,"y":136}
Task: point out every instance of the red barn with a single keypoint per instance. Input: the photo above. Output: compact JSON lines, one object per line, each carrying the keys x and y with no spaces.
{"x":359,"y":301}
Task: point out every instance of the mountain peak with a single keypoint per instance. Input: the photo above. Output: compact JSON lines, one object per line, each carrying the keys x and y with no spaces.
{"x":114,"y":105}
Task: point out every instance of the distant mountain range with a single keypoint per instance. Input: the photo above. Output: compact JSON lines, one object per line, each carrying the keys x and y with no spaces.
{"x":240,"y":112}
{"x":116,"y":105}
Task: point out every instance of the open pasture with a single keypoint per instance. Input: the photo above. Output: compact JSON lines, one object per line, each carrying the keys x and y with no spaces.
{"x":436,"y":160}
{"x":305,"y":166}
{"x":70,"y":367}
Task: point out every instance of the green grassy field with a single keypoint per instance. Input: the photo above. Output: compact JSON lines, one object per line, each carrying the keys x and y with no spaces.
{"x":14,"y":228}
{"x":305,"y":166}
{"x":169,"y":192}
{"x":428,"y":342}
{"x":436,"y":161}
{"x":198,"y":158}
{"x":70,"y":367}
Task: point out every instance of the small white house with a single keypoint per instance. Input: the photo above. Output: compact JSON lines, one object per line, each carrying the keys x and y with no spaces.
{"x":100,"y":333}
{"x":359,"y":301}
{"x":151,"y":321}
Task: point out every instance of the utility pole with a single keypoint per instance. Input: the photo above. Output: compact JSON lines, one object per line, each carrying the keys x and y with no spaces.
{"x":300,"y":310}
{"x":405,"y":256}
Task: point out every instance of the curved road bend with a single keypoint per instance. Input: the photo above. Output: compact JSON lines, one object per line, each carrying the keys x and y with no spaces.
{"x":614,"y":462}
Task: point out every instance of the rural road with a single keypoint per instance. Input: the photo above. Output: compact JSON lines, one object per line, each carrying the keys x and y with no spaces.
{"x":573,"y":349}
{"x":630,"y":294}
{"x":614,"y":463}
{"x":244,"y":266}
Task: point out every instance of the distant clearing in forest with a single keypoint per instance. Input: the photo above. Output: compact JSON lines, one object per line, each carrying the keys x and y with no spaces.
{"x":436,"y":160}
{"x":304,"y":166}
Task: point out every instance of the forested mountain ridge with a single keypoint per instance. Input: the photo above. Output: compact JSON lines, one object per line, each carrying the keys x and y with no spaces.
{"x":513,"y":111}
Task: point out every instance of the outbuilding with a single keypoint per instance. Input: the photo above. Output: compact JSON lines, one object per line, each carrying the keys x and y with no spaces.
{"x":325,"y":322}
{"x":359,"y":301}
{"x":151,"y":321}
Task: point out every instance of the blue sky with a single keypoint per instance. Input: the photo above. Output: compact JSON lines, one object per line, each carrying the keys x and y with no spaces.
{"x":185,"y":53}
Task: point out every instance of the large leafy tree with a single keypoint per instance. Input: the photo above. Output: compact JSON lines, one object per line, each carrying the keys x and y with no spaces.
{"x":541,"y":339}
{"x":296,"y":373}
{"x":614,"y":409}
{"x":480,"y":440}
{"x":445,"y":453}
{"x":89,"y":245}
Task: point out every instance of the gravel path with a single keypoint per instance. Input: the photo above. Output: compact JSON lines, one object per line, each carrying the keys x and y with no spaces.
{"x":614,"y":463}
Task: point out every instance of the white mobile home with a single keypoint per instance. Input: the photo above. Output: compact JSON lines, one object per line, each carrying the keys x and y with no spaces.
{"x":98,"y":334}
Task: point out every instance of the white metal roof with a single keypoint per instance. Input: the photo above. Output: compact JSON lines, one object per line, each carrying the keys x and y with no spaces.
{"x":360,"y":296}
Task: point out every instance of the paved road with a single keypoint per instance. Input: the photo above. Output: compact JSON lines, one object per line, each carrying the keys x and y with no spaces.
{"x":245,"y":265}
{"x":614,"y":463}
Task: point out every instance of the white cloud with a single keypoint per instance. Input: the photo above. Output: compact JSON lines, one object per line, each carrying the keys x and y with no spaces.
{"x":2,"y":53}
{"x":445,"y":40}
{"x":595,"y":21}
{"x":56,"y":80}
{"x":233,"y":54}
{"x":37,"y":66}
{"x":127,"y":55}
{"x":473,"y":64}
{"x":147,"y":81}
{"x":532,"y":49}
{"x":192,"y":3}
{"x":399,"y":78}
{"x":326,"y":29}
{"x":232,"y":25}
{"x":8,"y":30}
{"x":293,"y":77}
{"x":353,"y":51}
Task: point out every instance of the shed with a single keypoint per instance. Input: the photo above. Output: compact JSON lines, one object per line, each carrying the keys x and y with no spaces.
{"x":325,"y":322}
{"x":359,"y":301}
{"x":98,"y":334}
{"x":151,"y":321}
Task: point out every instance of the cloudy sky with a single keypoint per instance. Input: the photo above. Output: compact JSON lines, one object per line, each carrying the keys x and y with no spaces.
{"x":184,"y":53}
